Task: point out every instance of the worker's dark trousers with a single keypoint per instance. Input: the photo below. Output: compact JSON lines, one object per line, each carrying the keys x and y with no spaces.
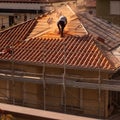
{"x":61,"y":26}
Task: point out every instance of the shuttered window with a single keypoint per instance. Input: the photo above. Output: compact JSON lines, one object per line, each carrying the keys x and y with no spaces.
{"x":115,"y":7}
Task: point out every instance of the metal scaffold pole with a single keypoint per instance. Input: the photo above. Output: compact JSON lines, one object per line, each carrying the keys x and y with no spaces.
{"x":23,"y":88}
{"x":99,"y":90}
{"x":99,"y":99}
{"x":13,"y":81}
{"x":64,"y":82}
{"x":44,"y":82}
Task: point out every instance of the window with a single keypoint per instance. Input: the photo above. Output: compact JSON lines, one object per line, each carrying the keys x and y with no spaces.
{"x":114,"y":7}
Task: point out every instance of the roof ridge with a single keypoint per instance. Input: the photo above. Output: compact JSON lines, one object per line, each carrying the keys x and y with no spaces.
{"x":104,"y":53}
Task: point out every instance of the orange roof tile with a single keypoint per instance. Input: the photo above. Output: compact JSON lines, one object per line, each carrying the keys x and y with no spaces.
{"x":36,"y":41}
{"x":16,"y":34}
{"x":107,"y":34}
{"x":77,"y":51}
{"x":47,"y":25}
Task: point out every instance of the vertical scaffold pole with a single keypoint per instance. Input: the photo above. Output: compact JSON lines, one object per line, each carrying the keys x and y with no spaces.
{"x":44,"y":82}
{"x":8,"y":89}
{"x":99,"y":90}
{"x":24,"y":96}
{"x":64,"y":81}
{"x":13,"y":82}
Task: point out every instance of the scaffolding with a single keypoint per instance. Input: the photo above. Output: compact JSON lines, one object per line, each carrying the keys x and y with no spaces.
{"x":56,"y":80}
{"x":63,"y":81}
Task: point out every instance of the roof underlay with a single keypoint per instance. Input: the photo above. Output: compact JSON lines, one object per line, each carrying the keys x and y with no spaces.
{"x":47,"y":25}
{"x":37,"y":41}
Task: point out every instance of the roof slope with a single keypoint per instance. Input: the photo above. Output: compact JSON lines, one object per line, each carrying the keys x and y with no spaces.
{"x":47,"y":24}
{"x":109,"y":32}
{"x":16,"y":34}
{"x":73,"y":51}
{"x":37,"y":41}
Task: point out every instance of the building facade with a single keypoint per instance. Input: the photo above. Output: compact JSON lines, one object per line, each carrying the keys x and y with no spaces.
{"x":47,"y":91}
{"x":109,"y":10}
{"x":15,"y":11}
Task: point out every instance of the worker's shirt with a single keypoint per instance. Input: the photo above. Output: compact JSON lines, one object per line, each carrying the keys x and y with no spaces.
{"x":64,"y":19}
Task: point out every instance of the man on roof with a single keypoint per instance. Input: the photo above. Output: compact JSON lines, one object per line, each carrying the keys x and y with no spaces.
{"x":61,"y":24}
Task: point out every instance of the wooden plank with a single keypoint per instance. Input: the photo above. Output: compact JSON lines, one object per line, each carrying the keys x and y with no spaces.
{"x":41,"y":113}
{"x":104,"y":86}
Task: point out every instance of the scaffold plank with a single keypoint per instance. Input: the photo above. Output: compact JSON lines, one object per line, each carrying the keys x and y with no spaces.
{"x":41,"y":113}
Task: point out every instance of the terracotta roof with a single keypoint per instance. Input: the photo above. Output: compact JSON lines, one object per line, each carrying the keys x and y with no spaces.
{"x":34,"y":1}
{"x":47,"y":24}
{"x":37,"y":41}
{"x":107,"y":33}
{"x":16,"y":34}
{"x":78,"y":52}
